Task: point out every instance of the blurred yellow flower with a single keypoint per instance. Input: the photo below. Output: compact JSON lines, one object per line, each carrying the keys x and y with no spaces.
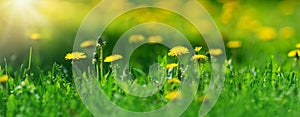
{"x":266,"y":33}
{"x":174,"y":80}
{"x":294,"y":53}
{"x":88,"y":43}
{"x":248,"y":22}
{"x":203,"y":98}
{"x":234,"y":44}
{"x":75,"y":56}
{"x":112,"y":58}
{"x":173,"y":95}
{"x":198,"y":57}
{"x":197,"y":49}
{"x":3,"y":78}
{"x":171,"y":65}
{"x":76,"y":95}
{"x":286,"y":32}
{"x":230,"y":4}
{"x":155,"y":39}
{"x":215,"y":52}
{"x":136,"y":38}
{"x":226,"y":16}
{"x":298,"y":45}
{"x":287,"y":7}
{"x":178,"y":50}
{"x":228,"y":9}
{"x":35,"y":36}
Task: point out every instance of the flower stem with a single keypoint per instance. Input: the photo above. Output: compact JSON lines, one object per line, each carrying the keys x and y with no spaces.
{"x":101,"y":62}
{"x":97,"y":69}
{"x":6,"y":66}
{"x":30,"y":58}
{"x":177,"y":70}
{"x":296,"y":60}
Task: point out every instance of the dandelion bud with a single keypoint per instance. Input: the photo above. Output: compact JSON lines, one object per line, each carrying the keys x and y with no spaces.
{"x":100,"y":42}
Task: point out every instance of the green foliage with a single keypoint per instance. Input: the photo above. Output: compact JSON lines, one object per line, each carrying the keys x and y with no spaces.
{"x":248,"y":91}
{"x":260,"y":78}
{"x":40,"y":94}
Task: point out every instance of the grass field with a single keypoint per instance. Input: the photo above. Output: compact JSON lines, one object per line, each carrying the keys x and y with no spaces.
{"x":262,"y":59}
{"x":267,"y":90}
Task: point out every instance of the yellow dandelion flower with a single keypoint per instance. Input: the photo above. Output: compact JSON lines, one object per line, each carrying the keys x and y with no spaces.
{"x":35,"y":36}
{"x":3,"y":78}
{"x":234,"y":44}
{"x":266,"y":33}
{"x":155,"y":39}
{"x":171,"y":65}
{"x":197,"y":49}
{"x":174,"y":80}
{"x":136,"y":38}
{"x":112,"y":58}
{"x":75,"y":56}
{"x":286,"y":32}
{"x":178,"y":50}
{"x":298,"y":45}
{"x":294,"y":53}
{"x":198,"y":57}
{"x":215,"y":52}
{"x":88,"y":43}
{"x":173,"y":95}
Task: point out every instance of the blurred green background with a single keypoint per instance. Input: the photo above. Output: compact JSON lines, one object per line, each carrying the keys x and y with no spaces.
{"x":263,"y":28}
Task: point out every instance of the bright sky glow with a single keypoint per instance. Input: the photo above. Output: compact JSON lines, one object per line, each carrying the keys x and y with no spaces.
{"x":21,"y":3}
{"x":19,"y":16}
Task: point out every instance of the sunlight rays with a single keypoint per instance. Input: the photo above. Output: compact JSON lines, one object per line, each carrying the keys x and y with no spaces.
{"x":21,"y":14}
{"x":21,"y":3}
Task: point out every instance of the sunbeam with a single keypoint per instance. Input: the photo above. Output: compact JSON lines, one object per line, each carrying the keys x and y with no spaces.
{"x":18,"y":19}
{"x":22,"y":3}
{"x":22,"y":14}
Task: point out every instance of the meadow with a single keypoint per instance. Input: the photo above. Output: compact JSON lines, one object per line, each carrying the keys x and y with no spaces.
{"x":262,"y":49}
